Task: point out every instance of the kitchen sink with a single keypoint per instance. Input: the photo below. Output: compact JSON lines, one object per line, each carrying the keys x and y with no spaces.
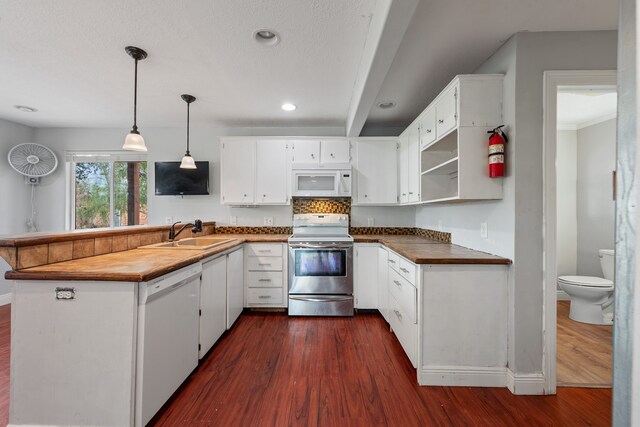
{"x":200,"y":243}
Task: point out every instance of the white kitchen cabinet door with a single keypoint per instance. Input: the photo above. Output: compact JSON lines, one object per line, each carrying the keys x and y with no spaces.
{"x":366,"y":277}
{"x":305,"y":152}
{"x":446,"y":111}
{"x":383,"y":285}
{"x":335,"y":151}
{"x":213,"y":290}
{"x":403,"y":167}
{"x":272,"y":176}
{"x":413,"y":168}
{"x":428,"y":127}
{"x":235,"y":286}
{"x":377,"y":172}
{"x":238,"y":168}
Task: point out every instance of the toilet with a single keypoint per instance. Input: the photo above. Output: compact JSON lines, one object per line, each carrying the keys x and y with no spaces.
{"x":592,"y":296}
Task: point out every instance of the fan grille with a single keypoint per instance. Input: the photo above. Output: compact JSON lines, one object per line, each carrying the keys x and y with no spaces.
{"x":32,"y":159}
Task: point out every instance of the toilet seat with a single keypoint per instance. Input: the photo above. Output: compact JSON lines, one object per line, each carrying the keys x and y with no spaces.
{"x":586,"y":281}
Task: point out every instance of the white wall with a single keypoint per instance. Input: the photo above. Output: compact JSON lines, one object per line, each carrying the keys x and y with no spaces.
{"x":567,"y":217}
{"x":595,"y":205}
{"x":15,"y":206}
{"x":166,"y":144}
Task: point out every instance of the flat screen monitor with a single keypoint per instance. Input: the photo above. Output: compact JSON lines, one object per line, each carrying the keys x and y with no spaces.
{"x":173,"y":181}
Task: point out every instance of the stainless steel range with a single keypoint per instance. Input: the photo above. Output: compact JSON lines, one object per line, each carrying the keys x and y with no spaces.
{"x":320,"y":266}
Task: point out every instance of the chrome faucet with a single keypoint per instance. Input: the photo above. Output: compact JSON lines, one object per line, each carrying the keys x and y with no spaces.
{"x":197,"y":226}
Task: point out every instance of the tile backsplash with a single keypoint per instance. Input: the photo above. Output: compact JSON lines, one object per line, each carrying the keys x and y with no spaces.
{"x":340,"y":205}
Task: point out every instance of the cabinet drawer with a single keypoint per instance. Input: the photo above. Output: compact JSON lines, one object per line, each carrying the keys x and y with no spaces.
{"x":264,"y":249}
{"x":446,"y":114}
{"x":264,"y":263}
{"x":405,"y":331}
{"x":264,"y":296}
{"x":394,"y":261}
{"x":407,"y":270}
{"x":404,"y":293}
{"x":264,"y":279}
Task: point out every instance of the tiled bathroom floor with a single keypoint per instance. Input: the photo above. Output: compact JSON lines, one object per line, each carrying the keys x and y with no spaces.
{"x":583,"y":352}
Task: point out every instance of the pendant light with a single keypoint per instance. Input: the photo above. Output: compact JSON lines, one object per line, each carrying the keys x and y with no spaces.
{"x":187,"y":160}
{"x":134,"y":141}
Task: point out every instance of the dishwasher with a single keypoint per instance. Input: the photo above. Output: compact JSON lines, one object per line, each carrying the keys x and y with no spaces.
{"x":167,"y":350}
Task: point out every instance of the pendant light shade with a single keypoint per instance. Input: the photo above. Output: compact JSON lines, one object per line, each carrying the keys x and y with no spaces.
{"x":187,"y":160}
{"x":134,"y":141}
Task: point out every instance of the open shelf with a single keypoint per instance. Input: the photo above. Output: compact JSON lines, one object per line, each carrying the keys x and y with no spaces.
{"x":439,"y":152}
{"x":439,"y":186}
{"x":446,"y":168}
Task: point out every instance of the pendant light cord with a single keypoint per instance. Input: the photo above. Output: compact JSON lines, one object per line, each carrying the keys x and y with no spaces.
{"x":135,"y":98}
{"x":188,"y":105}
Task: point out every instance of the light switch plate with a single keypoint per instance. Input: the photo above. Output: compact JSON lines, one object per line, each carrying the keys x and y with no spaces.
{"x":233,"y":220}
{"x":268,"y":221}
{"x":484,"y":230}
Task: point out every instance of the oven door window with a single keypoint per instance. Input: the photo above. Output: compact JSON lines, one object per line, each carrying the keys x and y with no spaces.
{"x":324,"y":263}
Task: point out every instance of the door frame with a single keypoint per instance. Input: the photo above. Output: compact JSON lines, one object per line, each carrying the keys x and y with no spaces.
{"x":551,"y":81}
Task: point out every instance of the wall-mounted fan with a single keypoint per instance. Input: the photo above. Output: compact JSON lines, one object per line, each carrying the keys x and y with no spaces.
{"x":33,"y":161}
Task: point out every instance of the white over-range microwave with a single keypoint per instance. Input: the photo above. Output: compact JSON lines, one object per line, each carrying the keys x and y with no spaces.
{"x":321,"y":182}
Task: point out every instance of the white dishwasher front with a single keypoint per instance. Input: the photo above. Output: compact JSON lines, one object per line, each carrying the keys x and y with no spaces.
{"x":167,"y":338}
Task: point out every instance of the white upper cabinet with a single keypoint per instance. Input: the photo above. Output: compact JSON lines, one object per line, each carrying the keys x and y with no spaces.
{"x":305,"y":152}
{"x":403,"y":167}
{"x":376,"y":171}
{"x":329,"y":152}
{"x":254,"y":172}
{"x":272,"y":175}
{"x":413,"y":170}
{"x":335,"y":151}
{"x":238,"y":171}
{"x":446,"y":111}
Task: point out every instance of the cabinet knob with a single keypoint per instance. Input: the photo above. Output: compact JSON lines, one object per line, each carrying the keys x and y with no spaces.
{"x":332,"y":155}
{"x":313,"y":156}
{"x":365,"y":195}
{"x":428,"y":130}
{"x":441,"y":121}
{"x":264,"y":195}
{"x":245,"y":195}
{"x":410,"y":192}
{"x":404,"y":194}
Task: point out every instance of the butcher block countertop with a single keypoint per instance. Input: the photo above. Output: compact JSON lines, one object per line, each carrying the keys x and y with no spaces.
{"x":422,"y":250}
{"x":144,"y":264}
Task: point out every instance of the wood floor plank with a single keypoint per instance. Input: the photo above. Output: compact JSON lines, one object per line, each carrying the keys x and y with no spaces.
{"x":273,"y":370}
{"x":584,"y":352}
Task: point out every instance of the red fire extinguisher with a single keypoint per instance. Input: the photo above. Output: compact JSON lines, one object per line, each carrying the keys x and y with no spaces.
{"x":497,"y":142}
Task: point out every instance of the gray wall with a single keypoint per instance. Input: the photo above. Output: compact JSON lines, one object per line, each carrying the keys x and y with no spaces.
{"x":595,"y":205}
{"x":15,"y":206}
{"x":566,"y":190}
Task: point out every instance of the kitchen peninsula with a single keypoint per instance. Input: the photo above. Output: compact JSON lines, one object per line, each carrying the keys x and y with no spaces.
{"x":94,"y":314}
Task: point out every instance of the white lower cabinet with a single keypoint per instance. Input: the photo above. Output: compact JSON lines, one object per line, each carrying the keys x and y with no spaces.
{"x":213,"y":301}
{"x":383,"y":288}
{"x":265,"y":275}
{"x":365,"y":287}
{"x":235,"y":286}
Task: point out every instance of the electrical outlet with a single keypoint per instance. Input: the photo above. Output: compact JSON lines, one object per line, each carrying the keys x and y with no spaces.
{"x":268,"y":221}
{"x":233,"y":220}
{"x":168,"y":220}
{"x":484,"y":230}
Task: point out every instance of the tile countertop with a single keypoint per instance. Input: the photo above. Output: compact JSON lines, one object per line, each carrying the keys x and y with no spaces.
{"x":143,"y":264}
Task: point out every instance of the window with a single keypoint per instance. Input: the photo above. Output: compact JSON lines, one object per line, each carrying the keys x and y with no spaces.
{"x":106,"y":189}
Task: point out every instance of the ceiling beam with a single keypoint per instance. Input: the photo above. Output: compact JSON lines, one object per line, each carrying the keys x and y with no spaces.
{"x":389,"y":22}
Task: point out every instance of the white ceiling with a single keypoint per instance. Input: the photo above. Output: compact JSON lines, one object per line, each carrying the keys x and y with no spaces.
{"x":449,"y":37}
{"x":66,"y":58}
{"x":585,"y":107}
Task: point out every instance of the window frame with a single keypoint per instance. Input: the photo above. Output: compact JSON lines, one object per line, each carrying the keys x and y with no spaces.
{"x":111,"y":157}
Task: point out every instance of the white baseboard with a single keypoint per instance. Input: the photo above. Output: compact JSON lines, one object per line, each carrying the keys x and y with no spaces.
{"x":469,"y":376}
{"x":5,"y":299}
{"x":562,"y":296}
{"x":525,"y":383}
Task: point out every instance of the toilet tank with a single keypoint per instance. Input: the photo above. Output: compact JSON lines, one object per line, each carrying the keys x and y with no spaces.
{"x":607,"y":262}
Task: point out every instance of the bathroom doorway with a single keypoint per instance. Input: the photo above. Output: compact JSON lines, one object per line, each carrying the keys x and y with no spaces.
{"x":579,"y":221}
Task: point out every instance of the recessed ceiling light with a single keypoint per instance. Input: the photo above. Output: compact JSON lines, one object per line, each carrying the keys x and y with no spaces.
{"x":288,"y":107}
{"x":266,"y":37}
{"x":25,"y":109}
{"x":385,"y":105}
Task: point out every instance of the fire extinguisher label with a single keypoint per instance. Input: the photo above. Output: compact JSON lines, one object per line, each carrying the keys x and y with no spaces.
{"x":496,"y":149}
{"x":496,"y":158}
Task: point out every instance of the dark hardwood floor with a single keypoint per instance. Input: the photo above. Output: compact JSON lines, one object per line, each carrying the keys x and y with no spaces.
{"x":272,"y":370}
{"x":584,"y":352}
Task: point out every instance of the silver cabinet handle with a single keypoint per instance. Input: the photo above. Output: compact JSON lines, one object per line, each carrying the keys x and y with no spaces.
{"x":392,"y":261}
{"x":410,"y":192}
{"x":404,"y":270}
{"x":398,"y":314}
{"x":440,"y":121}
{"x":313,"y":156}
{"x":264,"y":280}
{"x":264,"y":296}
{"x":265,"y":264}
{"x":398,"y":284}
{"x":332,"y":155}
{"x":428,"y":130}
